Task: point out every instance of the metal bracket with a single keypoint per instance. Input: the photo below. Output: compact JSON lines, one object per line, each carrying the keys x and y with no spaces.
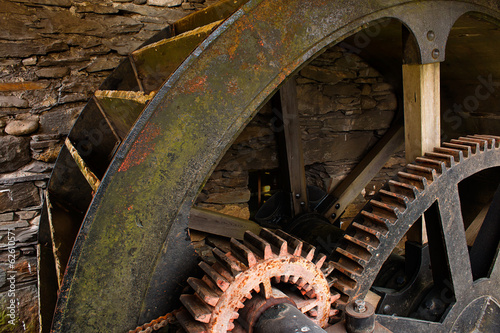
{"x":431,"y":26}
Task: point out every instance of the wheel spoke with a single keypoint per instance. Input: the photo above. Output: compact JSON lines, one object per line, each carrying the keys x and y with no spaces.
{"x":485,"y":246}
{"x":293,"y":143}
{"x":455,"y":243}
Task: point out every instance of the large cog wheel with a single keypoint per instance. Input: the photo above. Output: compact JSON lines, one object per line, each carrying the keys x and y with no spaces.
{"x":252,"y":269}
{"x":431,"y":183}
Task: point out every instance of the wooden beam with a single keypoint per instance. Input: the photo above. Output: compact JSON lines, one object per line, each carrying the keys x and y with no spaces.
{"x":220,"y":224}
{"x":421,"y":85}
{"x":91,"y":178}
{"x":293,"y":143}
{"x":422,"y":110}
{"x":363,"y":173}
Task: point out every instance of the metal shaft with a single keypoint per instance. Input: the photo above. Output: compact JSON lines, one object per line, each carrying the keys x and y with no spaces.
{"x":285,"y":318}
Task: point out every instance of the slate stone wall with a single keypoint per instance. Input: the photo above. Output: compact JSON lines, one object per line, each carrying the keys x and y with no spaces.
{"x":345,"y":106}
{"x":53,"y":55}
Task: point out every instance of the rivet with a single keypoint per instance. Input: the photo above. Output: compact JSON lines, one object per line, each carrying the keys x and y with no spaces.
{"x":334,"y":215}
{"x":337,"y":206}
{"x":431,"y":35}
{"x":297,"y":195}
{"x":435,"y":53}
{"x":302,"y":203}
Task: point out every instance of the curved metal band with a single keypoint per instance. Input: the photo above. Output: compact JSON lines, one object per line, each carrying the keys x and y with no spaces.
{"x":137,"y":225}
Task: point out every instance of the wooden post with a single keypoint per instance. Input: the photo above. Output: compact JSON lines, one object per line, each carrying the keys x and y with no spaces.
{"x":422,"y":109}
{"x":421,"y":84}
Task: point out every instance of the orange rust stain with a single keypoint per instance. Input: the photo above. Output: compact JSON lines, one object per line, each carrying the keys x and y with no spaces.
{"x":232,"y":87}
{"x":197,"y":84}
{"x":141,"y":148}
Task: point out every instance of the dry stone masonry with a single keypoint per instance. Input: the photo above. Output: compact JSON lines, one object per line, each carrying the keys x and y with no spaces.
{"x":345,"y":106}
{"x":53,"y":55}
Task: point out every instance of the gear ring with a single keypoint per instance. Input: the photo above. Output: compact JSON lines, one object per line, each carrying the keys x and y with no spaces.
{"x":379,"y":227}
{"x":252,"y":267}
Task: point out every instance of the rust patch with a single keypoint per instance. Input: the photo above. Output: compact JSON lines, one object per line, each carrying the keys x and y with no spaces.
{"x":141,"y":148}
{"x":197,"y":84}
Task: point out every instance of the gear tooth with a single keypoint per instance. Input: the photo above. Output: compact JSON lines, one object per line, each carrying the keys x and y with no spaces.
{"x":285,"y":278}
{"x":495,"y":139}
{"x":437,"y":165}
{"x":368,"y":247}
{"x":278,"y":244}
{"x":216,"y":278}
{"x":197,"y":308}
{"x":208,"y":295}
{"x":334,"y":296}
{"x":483,"y":143}
{"x":243,"y":253}
{"x":311,"y":293}
{"x":230,"y":326}
{"x":313,"y":312}
{"x":294,"y":245}
{"x":294,"y":279}
{"x":376,"y":219}
{"x":229,"y":265}
{"x":386,"y":210}
{"x":277,"y":279}
{"x":466,"y":150}
{"x":327,"y":268}
{"x":369,"y":230}
{"x":258,"y":245}
{"x":342,"y":283}
{"x":428,"y":173}
{"x":418,"y":181}
{"x":448,"y":160}
{"x":348,"y":267}
{"x":333,"y":312}
{"x":319,"y":260}
{"x":354,"y":257}
{"x":456,"y":153}
{"x":219,"y":268}
{"x":395,"y":198}
{"x":301,"y":283}
{"x":308,"y":251}
{"x":188,"y":324}
{"x":405,"y":189}
{"x":472,"y":144}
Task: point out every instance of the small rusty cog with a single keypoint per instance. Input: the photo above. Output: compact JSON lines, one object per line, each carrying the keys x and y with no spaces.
{"x":254,"y":269}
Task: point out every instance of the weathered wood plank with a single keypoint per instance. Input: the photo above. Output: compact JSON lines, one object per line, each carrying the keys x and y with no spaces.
{"x":220,"y":224}
{"x":363,"y":173}
{"x":218,"y":11}
{"x":121,"y":108}
{"x":91,"y":178}
{"x":293,"y":143}
{"x":155,"y":62}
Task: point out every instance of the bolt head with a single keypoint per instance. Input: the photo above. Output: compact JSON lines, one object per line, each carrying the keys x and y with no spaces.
{"x":387,"y":309}
{"x":431,"y":35}
{"x":359,"y":306}
{"x":435,"y":53}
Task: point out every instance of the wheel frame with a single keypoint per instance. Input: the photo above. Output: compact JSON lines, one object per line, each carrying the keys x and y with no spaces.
{"x":135,"y":229}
